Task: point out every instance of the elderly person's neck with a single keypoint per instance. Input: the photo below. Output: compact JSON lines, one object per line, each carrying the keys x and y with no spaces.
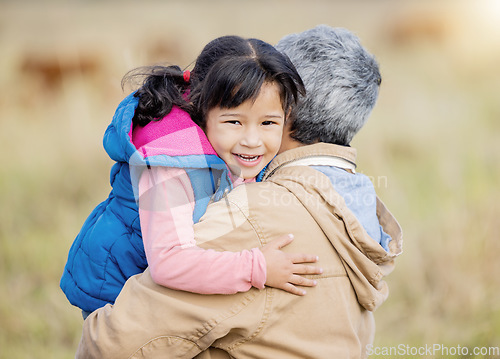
{"x":287,"y":142}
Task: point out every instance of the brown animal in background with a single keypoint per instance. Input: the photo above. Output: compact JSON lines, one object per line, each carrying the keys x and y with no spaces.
{"x":419,"y":26}
{"x":51,"y":70}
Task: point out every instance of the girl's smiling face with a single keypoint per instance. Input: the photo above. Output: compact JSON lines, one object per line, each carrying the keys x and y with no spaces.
{"x":247,"y":137}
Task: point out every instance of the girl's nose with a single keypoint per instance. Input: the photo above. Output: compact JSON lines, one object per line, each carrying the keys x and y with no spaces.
{"x":251,"y":137}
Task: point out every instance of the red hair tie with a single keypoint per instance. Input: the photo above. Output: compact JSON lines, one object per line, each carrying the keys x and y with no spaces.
{"x":187,"y":75}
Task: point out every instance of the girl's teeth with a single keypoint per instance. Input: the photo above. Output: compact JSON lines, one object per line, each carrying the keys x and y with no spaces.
{"x":248,"y":158}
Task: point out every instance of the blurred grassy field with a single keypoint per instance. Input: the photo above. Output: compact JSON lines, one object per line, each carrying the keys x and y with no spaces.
{"x":432,"y":147}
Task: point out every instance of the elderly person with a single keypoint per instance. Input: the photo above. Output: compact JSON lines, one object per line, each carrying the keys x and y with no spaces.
{"x":305,"y":192}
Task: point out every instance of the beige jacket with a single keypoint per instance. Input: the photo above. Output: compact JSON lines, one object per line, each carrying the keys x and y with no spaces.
{"x":334,"y":319}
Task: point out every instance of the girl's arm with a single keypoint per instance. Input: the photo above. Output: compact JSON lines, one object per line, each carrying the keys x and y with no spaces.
{"x":166,"y":205}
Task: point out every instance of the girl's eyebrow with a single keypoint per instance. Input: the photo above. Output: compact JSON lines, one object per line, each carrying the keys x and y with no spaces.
{"x":234,"y":114}
{"x":274,"y":116}
{"x":231,"y":114}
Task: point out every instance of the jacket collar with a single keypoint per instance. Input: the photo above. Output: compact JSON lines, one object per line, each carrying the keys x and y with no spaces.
{"x":316,"y":154}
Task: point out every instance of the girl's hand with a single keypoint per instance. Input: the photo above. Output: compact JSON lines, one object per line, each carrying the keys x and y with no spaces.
{"x":285,"y":270}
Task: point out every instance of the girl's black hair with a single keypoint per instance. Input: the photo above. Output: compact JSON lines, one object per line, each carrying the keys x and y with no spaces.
{"x":163,"y":87}
{"x":229,"y":71}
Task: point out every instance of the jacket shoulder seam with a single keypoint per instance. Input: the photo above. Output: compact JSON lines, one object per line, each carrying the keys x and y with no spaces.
{"x":253,"y":223}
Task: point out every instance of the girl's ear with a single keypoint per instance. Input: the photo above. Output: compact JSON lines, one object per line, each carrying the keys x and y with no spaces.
{"x":289,"y":116}
{"x":286,"y":140}
{"x":288,"y":125}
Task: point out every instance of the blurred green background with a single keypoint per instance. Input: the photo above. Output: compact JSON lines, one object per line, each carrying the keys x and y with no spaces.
{"x":431,"y":146}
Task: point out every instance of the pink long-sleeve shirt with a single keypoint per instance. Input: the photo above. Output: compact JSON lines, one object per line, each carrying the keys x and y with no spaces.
{"x":166,"y":204}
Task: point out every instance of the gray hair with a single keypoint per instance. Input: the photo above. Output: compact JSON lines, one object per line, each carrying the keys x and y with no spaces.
{"x":342,"y":81}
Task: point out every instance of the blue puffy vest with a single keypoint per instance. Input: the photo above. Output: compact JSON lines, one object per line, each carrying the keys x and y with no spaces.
{"x":109,"y":249}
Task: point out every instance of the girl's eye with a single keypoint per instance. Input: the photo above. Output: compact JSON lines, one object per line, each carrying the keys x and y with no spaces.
{"x":268,"y":122}
{"x":232,"y":122}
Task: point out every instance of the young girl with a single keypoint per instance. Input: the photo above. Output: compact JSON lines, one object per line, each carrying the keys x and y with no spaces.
{"x":240,"y":92}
